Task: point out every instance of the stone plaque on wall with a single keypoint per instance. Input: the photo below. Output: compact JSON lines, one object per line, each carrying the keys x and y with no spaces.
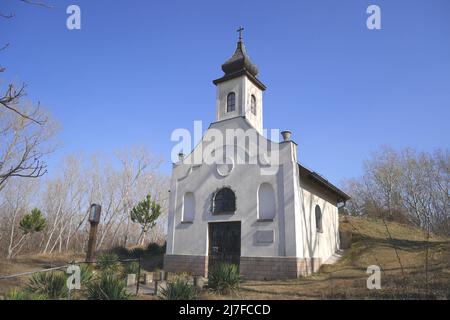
{"x":264,"y":237}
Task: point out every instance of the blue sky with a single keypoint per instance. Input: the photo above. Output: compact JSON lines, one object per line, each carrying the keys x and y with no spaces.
{"x":139,"y":69}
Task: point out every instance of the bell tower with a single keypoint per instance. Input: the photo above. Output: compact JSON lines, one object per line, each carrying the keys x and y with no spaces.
{"x":239,"y":92}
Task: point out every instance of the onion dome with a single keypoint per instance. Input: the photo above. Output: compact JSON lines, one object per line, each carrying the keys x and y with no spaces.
{"x":240,"y":64}
{"x":240,"y":61}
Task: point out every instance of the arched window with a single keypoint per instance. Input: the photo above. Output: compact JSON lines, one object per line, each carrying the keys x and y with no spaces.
{"x":231,"y":102}
{"x":253,"y":104}
{"x":224,"y":202}
{"x":318,"y":219}
{"x":266,"y":202}
{"x":188,"y":207}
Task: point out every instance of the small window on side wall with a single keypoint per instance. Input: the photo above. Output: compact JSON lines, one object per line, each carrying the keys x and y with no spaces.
{"x":253,"y":104}
{"x":318,"y":219}
{"x":231,"y":102}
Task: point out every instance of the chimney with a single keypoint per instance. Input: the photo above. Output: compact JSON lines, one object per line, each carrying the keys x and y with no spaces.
{"x":286,"y":135}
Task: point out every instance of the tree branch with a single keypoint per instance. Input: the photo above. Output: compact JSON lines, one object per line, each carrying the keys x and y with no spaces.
{"x":37,"y":3}
{"x":12,"y":97}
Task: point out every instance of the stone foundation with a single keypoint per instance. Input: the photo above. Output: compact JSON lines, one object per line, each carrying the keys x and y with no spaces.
{"x":275,"y":268}
{"x":251,"y":268}
{"x":195,"y":265}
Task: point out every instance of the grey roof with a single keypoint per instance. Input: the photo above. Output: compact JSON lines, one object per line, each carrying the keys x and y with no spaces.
{"x":317,"y":178}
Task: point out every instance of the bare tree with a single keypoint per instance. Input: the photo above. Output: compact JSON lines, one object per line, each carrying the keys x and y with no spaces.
{"x":120,"y":193}
{"x":10,"y":99}
{"x":64,"y":202}
{"x":17,"y":199}
{"x":405,"y":186}
{"x":24,"y":144}
{"x":21,"y":153}
{"x":117,"y":185}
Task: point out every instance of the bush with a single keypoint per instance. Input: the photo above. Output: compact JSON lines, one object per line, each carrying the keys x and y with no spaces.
{"x":132,"y":267}
{"x":154,"y":248}
{"x":179,"y":290}
{"x":24,"y":295}
{"x":108,"y":262}
{"x":136,"y":252}
{"x":48,"y":284}
{"x":224,"y":278}
{"x":108,"y":287}
{"x":120,"y":251}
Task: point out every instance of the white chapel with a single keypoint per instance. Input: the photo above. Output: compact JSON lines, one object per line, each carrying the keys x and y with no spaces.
{"x":244,"y":198}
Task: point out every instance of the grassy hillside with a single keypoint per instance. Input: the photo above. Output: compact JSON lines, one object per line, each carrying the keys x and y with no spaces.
{"x":371,"y":246}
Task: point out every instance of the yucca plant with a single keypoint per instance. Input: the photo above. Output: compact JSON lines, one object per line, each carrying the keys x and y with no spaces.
{"x":179,"y":290}
{"x":86,"y":274}
{"x":107,"y":287}
{"x":132,"y":267}
{"x":224,"y":278}
{"x":49,"y":284}
{"x":16,"y":294}
{"x":108,"y":262}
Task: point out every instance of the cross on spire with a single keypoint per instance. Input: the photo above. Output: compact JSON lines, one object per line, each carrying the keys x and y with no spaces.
{"x":240,"y":30}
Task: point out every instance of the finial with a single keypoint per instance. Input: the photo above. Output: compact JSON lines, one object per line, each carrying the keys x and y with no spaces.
{"x":240,"y":30}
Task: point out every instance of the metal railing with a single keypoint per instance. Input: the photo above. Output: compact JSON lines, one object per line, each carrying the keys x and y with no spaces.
{"x":77,"y":263}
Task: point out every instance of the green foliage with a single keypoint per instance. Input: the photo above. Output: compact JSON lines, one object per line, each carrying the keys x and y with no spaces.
{"x":155,"y":248}
{"x":146,"y":213}
{"x":86,"y":274}
{"x":33,"y":222}
{"x":16,"y":294}
{"x":107,"y":262}
{"x":224,"y":278}
{"x":132,"y":267}
{"x":49,"y":284}
{"x":179,"y":290}
{"x":107,"y":287}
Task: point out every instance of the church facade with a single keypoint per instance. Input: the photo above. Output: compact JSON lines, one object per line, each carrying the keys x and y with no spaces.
{"x":246,"y":200}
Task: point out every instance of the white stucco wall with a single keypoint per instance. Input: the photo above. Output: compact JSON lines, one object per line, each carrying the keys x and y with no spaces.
{"x":244,"y":89}
{"x":203,"y":180}
{"x":318,"y":244}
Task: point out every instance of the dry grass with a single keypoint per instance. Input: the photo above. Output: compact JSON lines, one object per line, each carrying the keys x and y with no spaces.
{"x":30,"y":263}
{"x":371,"y":246}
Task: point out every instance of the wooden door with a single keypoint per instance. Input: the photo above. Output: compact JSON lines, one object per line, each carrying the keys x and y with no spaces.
{"x":224,"y":243}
